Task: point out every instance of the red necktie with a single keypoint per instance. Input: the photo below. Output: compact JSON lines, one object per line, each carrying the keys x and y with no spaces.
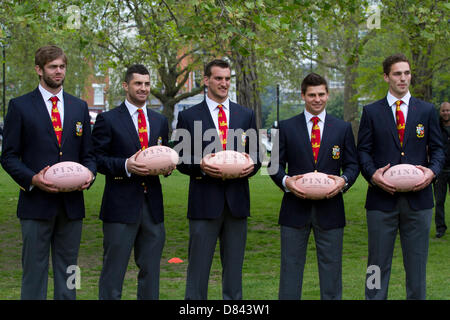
{"x":142,"y":128}
{"x":315,"y":137}
{"x":56,"y":119}
{"x":223,"y":127}
{"x":400,"y":122}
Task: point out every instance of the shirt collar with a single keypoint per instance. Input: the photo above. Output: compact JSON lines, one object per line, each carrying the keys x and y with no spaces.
{"x":47,"y":94}
{"x":213,"y":104}
{"x":133,"y":109}
{"x":321,"y":115}
{"x":391,"y":99}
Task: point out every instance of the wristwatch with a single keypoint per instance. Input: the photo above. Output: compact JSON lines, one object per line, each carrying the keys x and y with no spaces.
{"x":345,"y":187}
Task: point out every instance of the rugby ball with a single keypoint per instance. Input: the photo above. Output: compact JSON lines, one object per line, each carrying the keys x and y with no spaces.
{"x":231,"y":163}
{"x":158,"y":159}
{"x":67,"y":175}
{"x":316,"y":185}
{"x":403,"y":176}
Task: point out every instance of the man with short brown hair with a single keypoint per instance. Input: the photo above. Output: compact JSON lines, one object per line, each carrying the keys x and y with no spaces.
{"x":42,"y":128}
{"x":398,"y":129}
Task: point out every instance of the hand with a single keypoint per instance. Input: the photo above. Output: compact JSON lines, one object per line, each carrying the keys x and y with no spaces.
{"x":39,"y":181}
{"x":292,"y":187}
{"x":428,"y":177}
{"x":88,"y":182}
{"x":170,"y":171}
{"x":249,"y":169}
{"x":210,"y":169}
{"x":135,"y":167}
{"x":339,"y":185}
{"x":378,"y":180}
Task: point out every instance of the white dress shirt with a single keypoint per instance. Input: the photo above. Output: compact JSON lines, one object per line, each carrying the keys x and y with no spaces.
{"x":133,"y":110}
{"x":309,"y":125}
{"x":404,"y":106}
{"x":60,"y":104}
{"x":212,"y":106}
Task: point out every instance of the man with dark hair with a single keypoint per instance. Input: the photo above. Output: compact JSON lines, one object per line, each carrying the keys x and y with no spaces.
{"x":217,"y":208}
{"x":132,"y":206}
{"x":443,"y":179}
{"x":395,"y":130}
{"x":313,"y":141}
{"x":42,"y":128}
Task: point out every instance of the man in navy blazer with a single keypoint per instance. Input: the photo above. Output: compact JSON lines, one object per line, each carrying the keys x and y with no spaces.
{"x":49,"y":219}
{"x":380,"y":145}
{"x":132,"y":208}
{"x":217,"y":208}
{"x":298,"y":214}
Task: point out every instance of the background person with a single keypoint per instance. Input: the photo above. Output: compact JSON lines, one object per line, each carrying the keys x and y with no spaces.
{"x":443,"y":179}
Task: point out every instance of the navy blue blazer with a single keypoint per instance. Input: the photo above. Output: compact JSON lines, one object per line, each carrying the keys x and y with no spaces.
{"x":30,"y":144}
{"x":337,"y":156}
{"x":115,"y":139}
{"x":207,"y":195}
{"x":378,"y":145}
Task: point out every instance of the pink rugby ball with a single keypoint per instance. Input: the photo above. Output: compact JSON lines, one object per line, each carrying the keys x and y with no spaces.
{"x":403,"y":176}
{"x":67,"y":175}
{"x":230,"y":162}
{"x":158,"y":159}
{"x":316,"y":185}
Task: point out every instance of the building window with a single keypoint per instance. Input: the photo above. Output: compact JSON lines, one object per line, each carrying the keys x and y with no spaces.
{"x":99,"y":98}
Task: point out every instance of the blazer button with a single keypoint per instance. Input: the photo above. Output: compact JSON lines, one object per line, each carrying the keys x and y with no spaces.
{"x":402,"y":154}
{"x":60,"y":153}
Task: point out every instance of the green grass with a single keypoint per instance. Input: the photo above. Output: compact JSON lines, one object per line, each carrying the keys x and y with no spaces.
{"x":262,"y":258}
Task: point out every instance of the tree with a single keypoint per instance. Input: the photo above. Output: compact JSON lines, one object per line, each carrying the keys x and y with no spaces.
{"x":425,"y":25}
{"x":30,"y":26}
{"x":341,"y":35}
{"x":151,"y":33}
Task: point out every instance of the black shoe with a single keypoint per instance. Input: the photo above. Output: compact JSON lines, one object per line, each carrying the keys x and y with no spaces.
{"x":440,"y":234}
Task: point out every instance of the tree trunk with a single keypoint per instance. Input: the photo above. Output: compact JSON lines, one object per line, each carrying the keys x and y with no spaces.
{"x":422,"y":75}
{"x":247,"y":84}
{"x":350,"y":103}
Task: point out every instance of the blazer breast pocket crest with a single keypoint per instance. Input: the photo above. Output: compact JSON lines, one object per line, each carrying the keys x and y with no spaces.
{"x":79,"y":129}
{"x":420,"y":130}
{"x":336,"y":152}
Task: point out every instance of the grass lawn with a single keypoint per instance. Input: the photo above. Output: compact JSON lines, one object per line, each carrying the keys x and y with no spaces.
{"x":262,"y":260}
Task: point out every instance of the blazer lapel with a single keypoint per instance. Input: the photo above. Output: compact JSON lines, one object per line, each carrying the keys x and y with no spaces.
{"x":154,"y":127}
{"x":207,"y":119}
{"x":127,"y":122}
{"x":233,"y":116}
{"x":68,"y":118}
{"x":42,"y":113}
{"x":304,"y":137}
{"x":388,"y":115}
{"x":327,"y":131}
{"x":411,"y":121}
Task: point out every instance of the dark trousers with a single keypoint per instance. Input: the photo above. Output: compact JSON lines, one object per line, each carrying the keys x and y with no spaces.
{"x":147,"y":238}
{"x":60,"y":235}
{"x":414,"y":228}
{"x":440,"y":193}
{"x":203,"y":235}
{"x":294,"y":243}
